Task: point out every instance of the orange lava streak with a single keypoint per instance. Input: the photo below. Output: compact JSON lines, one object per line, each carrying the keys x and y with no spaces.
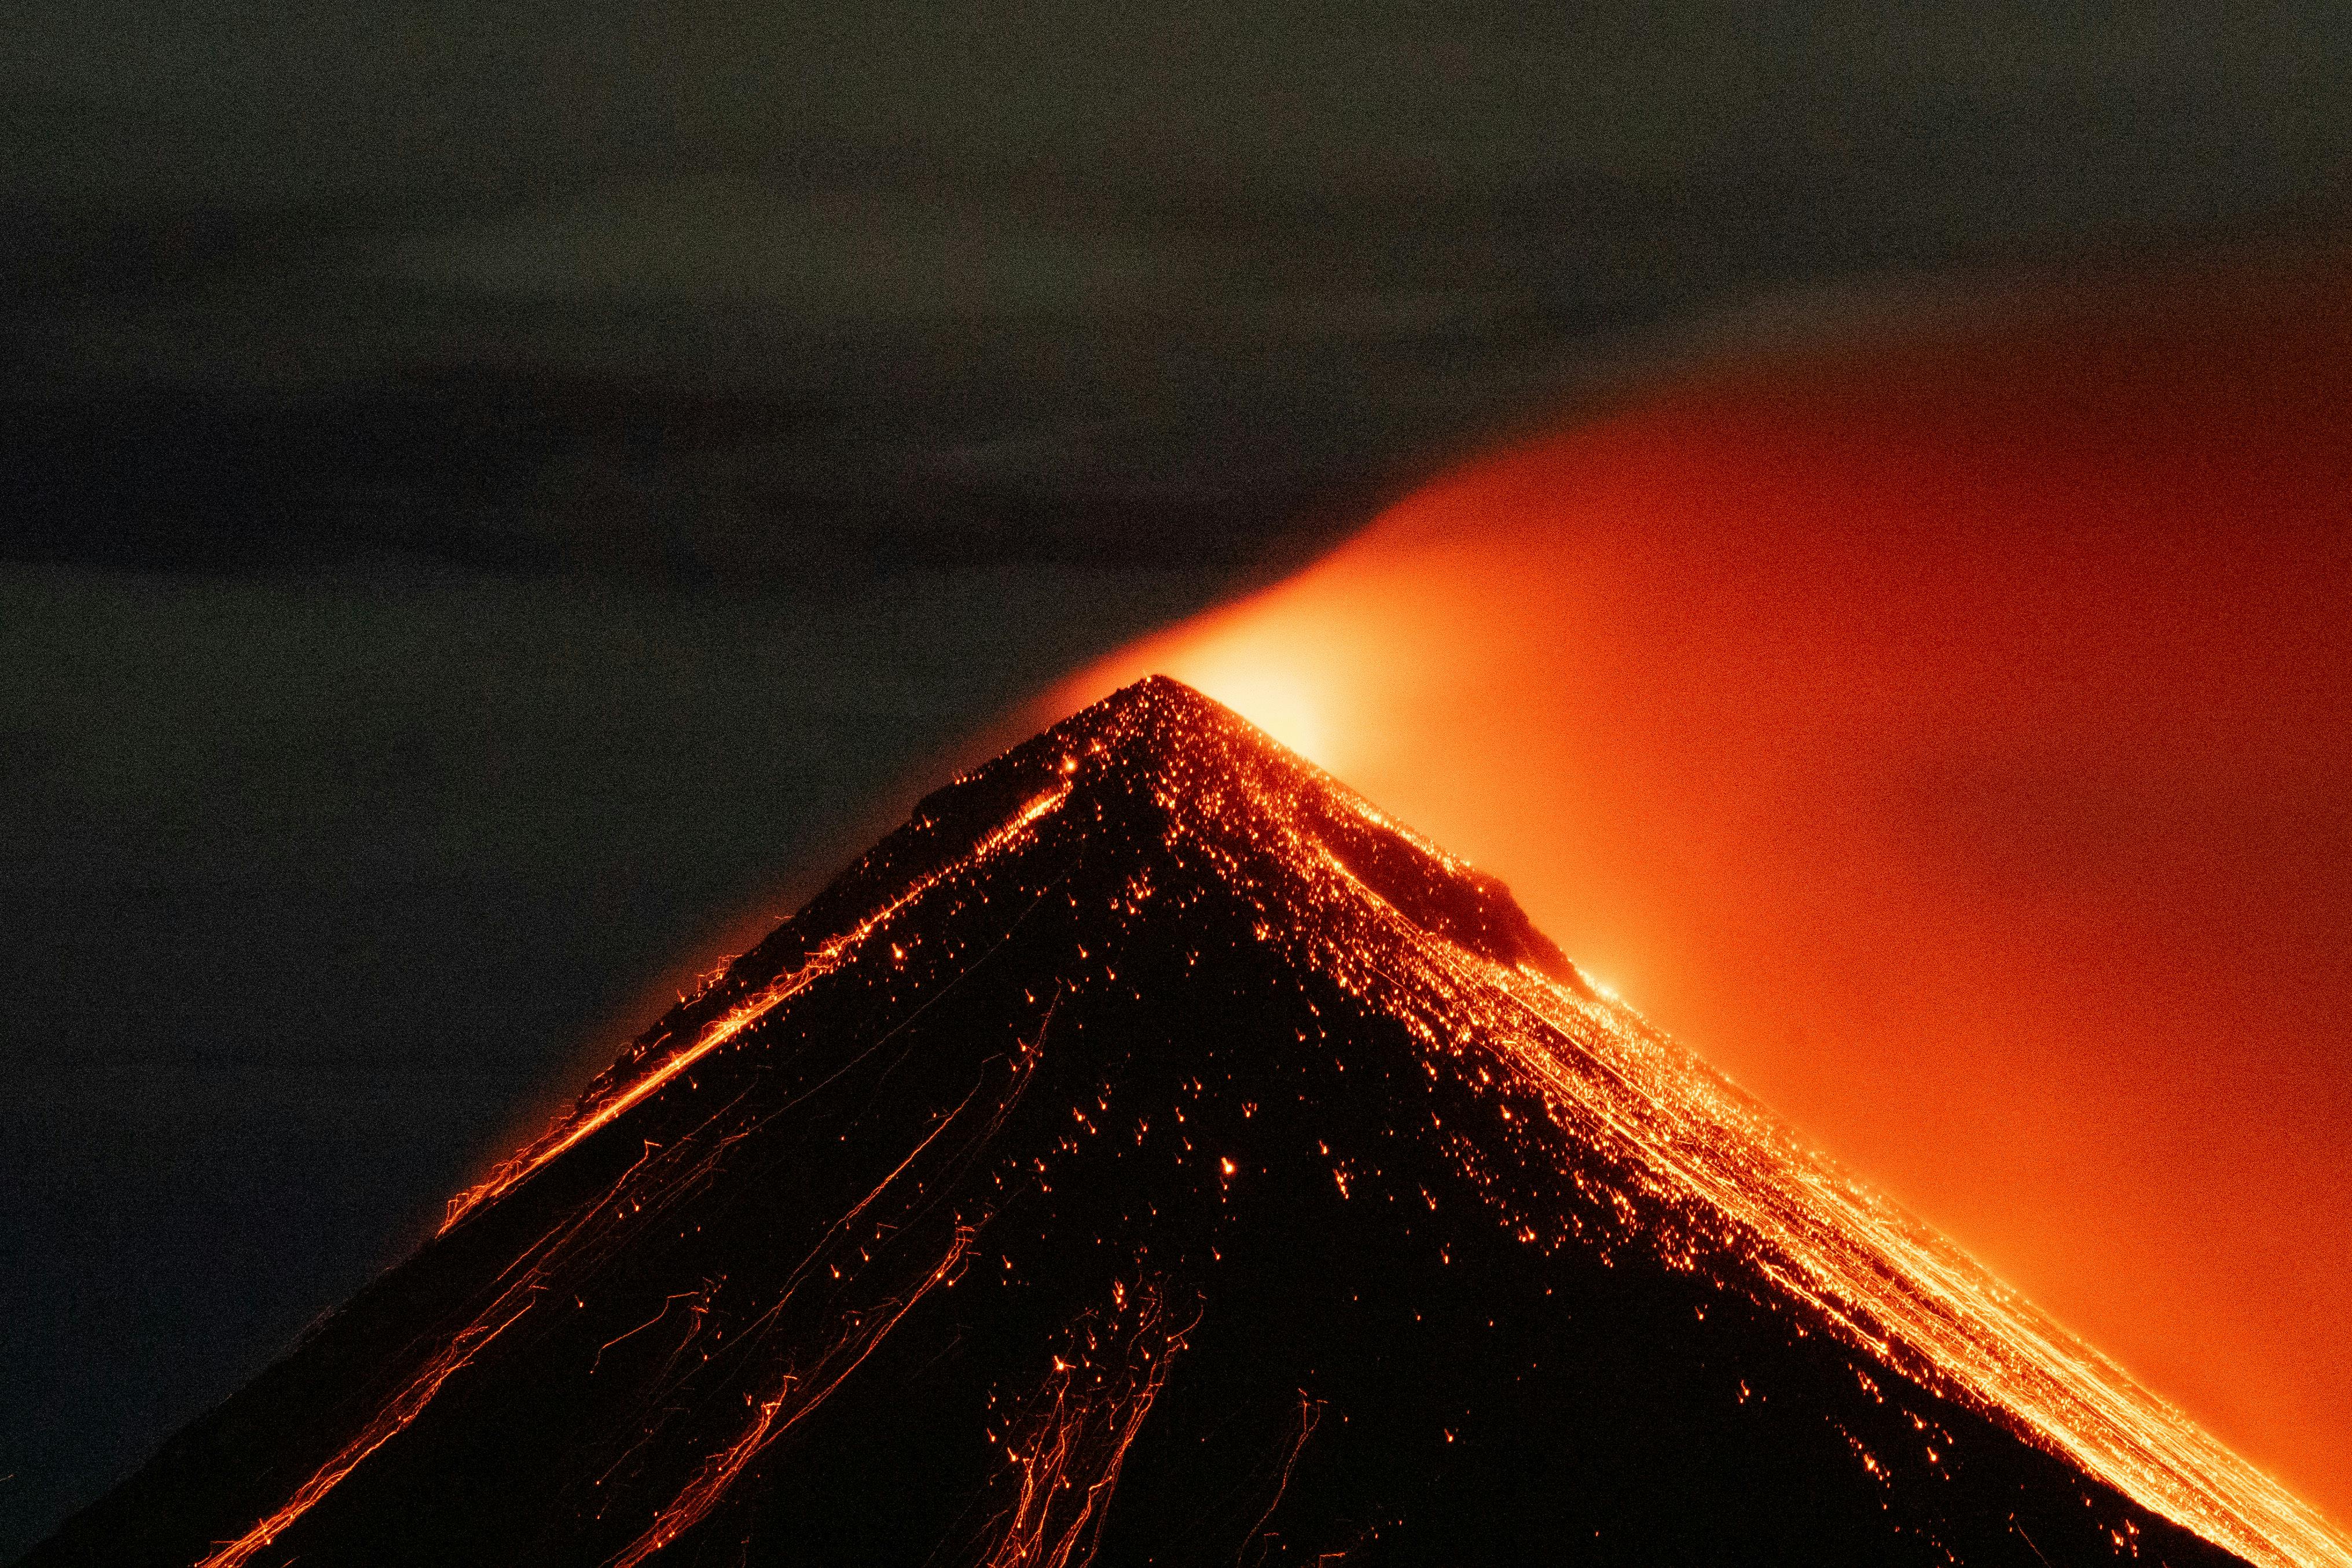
{"x":779,"y":1412}
{"x":511,"y":1305}
{"x":404,"y":1409}
{"x":1310,"y":1415}
{"x":698,"y":1497}
{"x":1081,"y":1433}
{"x":585,"y":1120}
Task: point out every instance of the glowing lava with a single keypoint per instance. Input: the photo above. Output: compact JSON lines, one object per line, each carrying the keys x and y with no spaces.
{"x":1951,"y":737}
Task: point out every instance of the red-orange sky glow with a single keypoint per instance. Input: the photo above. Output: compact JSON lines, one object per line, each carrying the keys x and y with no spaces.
{"x":1950,"y":736}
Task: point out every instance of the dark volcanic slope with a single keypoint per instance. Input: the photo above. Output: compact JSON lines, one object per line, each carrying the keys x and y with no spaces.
{"x":1151,"y":1153}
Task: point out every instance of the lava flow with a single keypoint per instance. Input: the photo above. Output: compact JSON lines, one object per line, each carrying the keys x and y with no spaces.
{"x":1154,"y":1153}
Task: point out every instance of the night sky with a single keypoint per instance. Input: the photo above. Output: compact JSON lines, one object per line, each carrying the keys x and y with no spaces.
{"x":495,"y":504}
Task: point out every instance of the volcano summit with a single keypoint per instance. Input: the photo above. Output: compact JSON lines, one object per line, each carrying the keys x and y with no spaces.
{"x":1151,"y":1153}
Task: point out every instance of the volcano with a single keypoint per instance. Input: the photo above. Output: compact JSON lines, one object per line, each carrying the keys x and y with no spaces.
{"x":1153,"y":1154}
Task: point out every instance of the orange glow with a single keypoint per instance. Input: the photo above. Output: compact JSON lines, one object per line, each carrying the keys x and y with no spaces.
{"x":1952,"y":738}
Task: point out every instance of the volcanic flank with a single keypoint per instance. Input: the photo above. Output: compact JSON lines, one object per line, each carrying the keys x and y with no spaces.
{"x":1153,"y":1154}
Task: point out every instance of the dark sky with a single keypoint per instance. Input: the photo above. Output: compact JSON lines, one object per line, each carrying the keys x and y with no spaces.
{"x":492,"y":499}
{"x":752,"y":290}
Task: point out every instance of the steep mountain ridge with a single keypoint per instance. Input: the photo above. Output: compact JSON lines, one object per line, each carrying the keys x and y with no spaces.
{"x":1153,"y":1154}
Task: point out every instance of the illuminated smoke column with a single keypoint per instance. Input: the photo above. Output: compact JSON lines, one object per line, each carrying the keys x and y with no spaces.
{"x":1950,"y":736}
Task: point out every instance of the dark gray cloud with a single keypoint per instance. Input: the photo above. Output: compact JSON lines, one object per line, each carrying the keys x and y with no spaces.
{"x":946,"y":273}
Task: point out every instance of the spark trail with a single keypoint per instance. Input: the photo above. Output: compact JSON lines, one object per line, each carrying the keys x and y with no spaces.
{"x":1064,"y":1463}
{"x":793,"y":1399}
{"x":403,"y":1408}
